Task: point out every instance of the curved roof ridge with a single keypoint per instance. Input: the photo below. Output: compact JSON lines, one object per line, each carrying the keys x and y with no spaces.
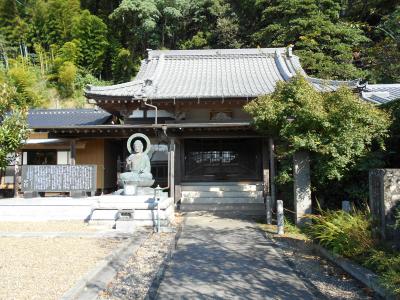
{"x":383,"y":85}
{"x":213,"y":52}
{"x":282,"y":67}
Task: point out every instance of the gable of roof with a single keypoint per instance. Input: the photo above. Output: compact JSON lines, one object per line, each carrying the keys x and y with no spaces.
{"x":38,"y":118}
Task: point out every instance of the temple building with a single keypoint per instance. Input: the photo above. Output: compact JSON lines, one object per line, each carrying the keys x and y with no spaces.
{"x":190,"y":104}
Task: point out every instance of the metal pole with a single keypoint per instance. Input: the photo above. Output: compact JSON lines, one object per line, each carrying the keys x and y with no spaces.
{"x":280,"y":217}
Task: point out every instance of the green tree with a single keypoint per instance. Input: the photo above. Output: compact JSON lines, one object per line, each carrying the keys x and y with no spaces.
{"x":138,"y":18}
{"x":171,"y":14}
{"x":337,"y":128}
{"x":52,"y":21}
{"x":209,"y":24}
{"x":66,"y":79}
{"x":8,"y":15}
{"x":383,"y":57}
{"x":122,"y":66}
{"x":24,"y":78}
{"x":91,"y":34}
{"x":324,"y":42}
{"x":13,"y":124}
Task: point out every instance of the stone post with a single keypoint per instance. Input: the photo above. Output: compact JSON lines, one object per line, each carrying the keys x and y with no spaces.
{"x":302,"y":186}
{"x":172,"y":168}
{"x":280,"y":216}
{"x":384,"y":199}
{"x":268,"y":212}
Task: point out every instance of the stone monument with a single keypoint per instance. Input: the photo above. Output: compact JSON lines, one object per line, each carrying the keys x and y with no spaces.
{"x":138,"y":179}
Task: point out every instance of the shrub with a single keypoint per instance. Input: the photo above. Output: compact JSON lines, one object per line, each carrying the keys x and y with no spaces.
{"x":387,"y":265}
{"x":347,"y":234}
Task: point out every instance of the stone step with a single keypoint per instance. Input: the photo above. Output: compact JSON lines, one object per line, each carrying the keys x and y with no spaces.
{"x":222,"y":194}
{"x":256,"y":209}
{"x":222,"y":183}
{"x":223,"y":188}
{"x":224,"y":200}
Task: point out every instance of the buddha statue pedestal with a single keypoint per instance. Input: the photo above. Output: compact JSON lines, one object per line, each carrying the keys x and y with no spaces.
{"x":132,"y":188}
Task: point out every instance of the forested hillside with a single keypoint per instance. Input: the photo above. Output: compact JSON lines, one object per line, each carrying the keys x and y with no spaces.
{"x":51,"y":49}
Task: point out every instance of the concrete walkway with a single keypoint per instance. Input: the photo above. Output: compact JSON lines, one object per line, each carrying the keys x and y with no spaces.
{"x":222,"y":258}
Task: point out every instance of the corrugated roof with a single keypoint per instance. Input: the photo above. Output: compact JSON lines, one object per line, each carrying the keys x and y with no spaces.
{"x":38,"y":118}
{"x":381,"y":93}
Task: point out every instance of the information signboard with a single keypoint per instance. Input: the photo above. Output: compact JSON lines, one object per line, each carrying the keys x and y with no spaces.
{"x":58,"y":178}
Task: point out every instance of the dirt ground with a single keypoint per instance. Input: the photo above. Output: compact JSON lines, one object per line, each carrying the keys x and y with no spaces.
{"x":45,"y":268}
{"x":48,"y":226}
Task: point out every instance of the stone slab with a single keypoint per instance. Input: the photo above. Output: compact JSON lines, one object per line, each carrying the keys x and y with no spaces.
{"x":256,"y":209}
{"x":223,"y":187}
{"x":125,"y":226}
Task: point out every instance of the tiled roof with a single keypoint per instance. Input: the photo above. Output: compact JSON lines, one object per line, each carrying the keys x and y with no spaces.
{"x":219,"y":73}
{"x":381,"y":93}
{"x":38,"y":118}
{"x":223,"y":73}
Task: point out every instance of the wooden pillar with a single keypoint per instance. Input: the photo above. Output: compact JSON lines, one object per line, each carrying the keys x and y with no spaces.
{"x":265,"y":166}
{"x":73,"y":152}
{"x":172,"y":168}
{"x":271,"y":149}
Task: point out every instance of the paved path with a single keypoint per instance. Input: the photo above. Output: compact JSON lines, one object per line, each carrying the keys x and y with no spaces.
{"x":220,"y":258}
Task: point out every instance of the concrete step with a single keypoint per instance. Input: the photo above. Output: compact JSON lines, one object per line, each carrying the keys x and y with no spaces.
{"x":223,"y":188}
{"x":222,"y":194}
{"x":224,"y":200}
{"x":256,"y":209}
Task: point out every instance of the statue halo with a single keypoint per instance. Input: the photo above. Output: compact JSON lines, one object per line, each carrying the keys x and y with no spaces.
{"x":141,"y":137}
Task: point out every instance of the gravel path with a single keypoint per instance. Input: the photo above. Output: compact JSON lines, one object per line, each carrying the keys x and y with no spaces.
{"x":45,"y":268}
{"x":330,"y":281}
{"x":134,"y":280}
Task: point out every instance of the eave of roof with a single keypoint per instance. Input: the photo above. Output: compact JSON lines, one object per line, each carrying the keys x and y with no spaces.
{"x":40,"y":118}
{"x":133,"y":126}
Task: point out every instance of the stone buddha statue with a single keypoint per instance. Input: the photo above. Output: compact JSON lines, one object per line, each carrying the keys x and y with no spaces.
{"x":138,"y":164}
